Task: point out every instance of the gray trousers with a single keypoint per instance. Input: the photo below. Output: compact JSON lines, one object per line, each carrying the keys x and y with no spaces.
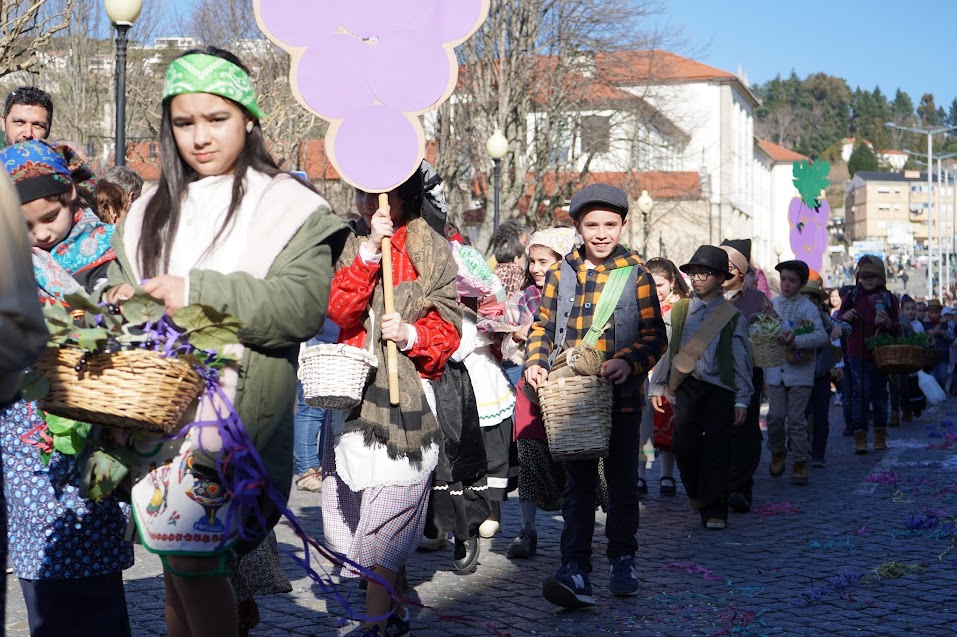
{"x":787,"y":421}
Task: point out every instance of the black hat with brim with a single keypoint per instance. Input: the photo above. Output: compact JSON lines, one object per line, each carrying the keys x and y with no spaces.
{"x":711,"y":257}
{"x":741,"y":245}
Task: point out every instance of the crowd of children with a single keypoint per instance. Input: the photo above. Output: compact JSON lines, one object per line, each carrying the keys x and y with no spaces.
{"x":476,"y":339}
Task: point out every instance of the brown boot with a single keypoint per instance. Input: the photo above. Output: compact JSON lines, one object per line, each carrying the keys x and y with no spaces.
{"x":860,"y":441}
{"x":799,"y":473}
{"x":777,"y":464}
{"x":880,"y":439}
{"x":895,"y":420}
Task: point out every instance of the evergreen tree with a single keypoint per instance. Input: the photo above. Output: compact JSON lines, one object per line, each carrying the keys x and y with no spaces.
{"x":927,"y":110}
{"x":952,"y":114}
{"x":862,"y":159}
{"x":902,"y":104}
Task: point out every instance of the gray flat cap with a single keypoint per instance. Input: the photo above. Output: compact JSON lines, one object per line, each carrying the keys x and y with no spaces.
{"x":599,"y":195}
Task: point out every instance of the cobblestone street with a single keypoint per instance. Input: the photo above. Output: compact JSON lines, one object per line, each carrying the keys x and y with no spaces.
{"x":866,"y":549}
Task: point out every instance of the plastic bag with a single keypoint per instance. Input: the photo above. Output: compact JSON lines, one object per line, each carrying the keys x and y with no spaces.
{"x":932,"y":391}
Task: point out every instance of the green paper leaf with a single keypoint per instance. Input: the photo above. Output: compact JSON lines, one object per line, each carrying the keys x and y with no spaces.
{"x":57,"y":312}
{"x":80,"y":301}
{"x":34,"y":386}
{"x":810,"y":180}
{"x":215,"y":337}
{"x":91,"y":338}
{"x":59,"y":424}
{"x":141,"y":308}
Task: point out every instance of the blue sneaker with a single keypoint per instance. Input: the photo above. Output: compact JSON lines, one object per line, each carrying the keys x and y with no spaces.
{"x":569,"y":588}
{"x":624,"y":576}
{"x":399,"y":626}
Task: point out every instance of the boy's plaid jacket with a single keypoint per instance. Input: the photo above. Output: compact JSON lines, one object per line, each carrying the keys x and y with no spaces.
{"x":642,"y":355}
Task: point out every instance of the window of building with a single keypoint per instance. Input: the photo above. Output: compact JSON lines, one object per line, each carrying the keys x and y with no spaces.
{"x":596,"y":133}
{"x":884,"y":191}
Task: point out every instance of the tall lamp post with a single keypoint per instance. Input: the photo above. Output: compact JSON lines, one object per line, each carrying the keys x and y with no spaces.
{"x":930,"y":131}
{"x":122,"y":14}
{"x":942,"y":265}
{"x":497,"y":147}
{"x":645,"y":204}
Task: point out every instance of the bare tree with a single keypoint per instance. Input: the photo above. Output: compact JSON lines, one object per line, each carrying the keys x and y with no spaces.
{"x":26,"y":27}
{"x":531,"y":72}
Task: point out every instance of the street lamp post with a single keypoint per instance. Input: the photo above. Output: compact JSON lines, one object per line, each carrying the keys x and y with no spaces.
{"x":942,"y":267}
{"x":645,"y":204}
{"x":497,"y":147}
{"x":930,"y":131}
{"x":122,"y":14}
{"x":778,"y":251}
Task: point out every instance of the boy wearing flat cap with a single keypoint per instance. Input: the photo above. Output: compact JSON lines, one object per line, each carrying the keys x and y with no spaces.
{"x":632,"y":340}
{"x":707,"y":369}
{"x":790,"y":385}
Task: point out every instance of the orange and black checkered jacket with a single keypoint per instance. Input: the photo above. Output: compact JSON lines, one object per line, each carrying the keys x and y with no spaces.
{"x":643,"y":354}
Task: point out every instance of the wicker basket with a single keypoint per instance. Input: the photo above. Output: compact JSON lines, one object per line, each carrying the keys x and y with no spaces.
{"x":900,"y":359}
{"x":333,"y":375}
{"x":136,"y":389}
{"x":767,"y":351}
{"x":577,"y":415}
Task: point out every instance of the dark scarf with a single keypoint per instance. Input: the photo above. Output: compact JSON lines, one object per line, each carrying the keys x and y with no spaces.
{"x":410,"y":428}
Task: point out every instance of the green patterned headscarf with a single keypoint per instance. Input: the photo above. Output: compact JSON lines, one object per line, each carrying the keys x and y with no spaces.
{"x":201,"y":73}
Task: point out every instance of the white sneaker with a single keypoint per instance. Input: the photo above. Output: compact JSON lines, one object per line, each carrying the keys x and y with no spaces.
{"x":489,"y":528}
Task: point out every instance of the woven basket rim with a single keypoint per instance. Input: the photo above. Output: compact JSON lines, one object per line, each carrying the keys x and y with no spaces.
{"x":339,"y":349}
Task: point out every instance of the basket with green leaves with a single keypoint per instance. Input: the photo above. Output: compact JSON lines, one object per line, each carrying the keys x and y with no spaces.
{"x":899,"y":354}
{"x":130,"y":366}
{"x":767,"y":350}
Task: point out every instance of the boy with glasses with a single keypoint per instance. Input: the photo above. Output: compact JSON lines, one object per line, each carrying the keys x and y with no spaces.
{"x":707,"y":371}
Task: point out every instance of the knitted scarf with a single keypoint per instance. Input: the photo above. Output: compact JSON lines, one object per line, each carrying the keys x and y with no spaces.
{"x":409,"y":428}
{"x":87,"y":246}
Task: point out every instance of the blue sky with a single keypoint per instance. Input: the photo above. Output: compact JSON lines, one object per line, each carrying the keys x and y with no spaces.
{"x":868,"y":43}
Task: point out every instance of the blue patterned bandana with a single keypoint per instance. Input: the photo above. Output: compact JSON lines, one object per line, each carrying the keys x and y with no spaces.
{"x":37,"y":169}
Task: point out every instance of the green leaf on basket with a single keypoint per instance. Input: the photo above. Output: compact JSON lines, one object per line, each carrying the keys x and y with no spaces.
{"x":91,"y":338}
{"x":141,"y":308}
{"x":80,"y":301}
{"x":59,"y":424}
{"x":214,"y":337}
{"x":34,"y":386}
{"x":57,"y":312}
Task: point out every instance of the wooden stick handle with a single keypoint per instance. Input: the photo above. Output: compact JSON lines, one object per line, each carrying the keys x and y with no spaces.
{"x":392,"y":353}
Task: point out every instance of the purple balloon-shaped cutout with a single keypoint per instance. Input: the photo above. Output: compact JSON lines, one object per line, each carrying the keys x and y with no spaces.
{"x":407,"y":73}
{"x":376,"y":148}
{"x":299,"y":22}
{"x":332,"y":75}
{"x":375,"y":18}
{"x":455,"y":19}
{"x":809,"y":235}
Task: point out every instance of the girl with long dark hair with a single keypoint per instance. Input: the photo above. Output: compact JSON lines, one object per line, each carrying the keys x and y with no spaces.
{"x":226,"y":228}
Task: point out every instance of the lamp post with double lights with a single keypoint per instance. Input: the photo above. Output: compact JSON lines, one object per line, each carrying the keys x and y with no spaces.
{"x":942,"y":268}
{"x":645,"y":204}
{"x":122,"y":14}
{"x":930,"y":131}
{"x":497,"y":147}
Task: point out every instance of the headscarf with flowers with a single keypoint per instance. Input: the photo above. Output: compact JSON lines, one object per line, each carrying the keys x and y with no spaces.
{"x":39,"y":170}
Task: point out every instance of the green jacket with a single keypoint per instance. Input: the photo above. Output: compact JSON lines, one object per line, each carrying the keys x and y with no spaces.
{"x":279,"y":312}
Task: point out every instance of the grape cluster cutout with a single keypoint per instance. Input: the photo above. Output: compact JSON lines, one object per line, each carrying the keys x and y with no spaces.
{"x":371,"y":67}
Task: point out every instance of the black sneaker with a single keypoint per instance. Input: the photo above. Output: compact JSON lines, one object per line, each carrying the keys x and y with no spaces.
{"x":818,"y":462}
{"x":642,"y":487}
{"x":524,"y":546}
{"x":624,"y":576}
{"x":569,"y":588}
{"x":738,"y":502}
{"x":398,"y":626}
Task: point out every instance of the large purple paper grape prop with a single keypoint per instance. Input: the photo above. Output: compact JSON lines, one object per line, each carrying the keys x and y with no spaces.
{"x":371,"y":67}
{"x":808,"y":213}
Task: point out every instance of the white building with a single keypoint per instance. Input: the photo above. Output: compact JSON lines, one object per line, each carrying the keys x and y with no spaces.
{"x":774,"y":190}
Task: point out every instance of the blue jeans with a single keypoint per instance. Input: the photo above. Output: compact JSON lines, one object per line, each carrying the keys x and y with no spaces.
{"x":868,"y":390}
{"x":309,"y":430}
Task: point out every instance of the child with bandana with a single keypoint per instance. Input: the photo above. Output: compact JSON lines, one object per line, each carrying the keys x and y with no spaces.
{"x":69,"y":553}
{"x":226,"y":228}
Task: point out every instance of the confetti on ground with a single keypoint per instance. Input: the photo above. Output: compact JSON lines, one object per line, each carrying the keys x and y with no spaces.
{"x":691,"y":569}
{"x":845,"y":544}
{"x":775,"y":508}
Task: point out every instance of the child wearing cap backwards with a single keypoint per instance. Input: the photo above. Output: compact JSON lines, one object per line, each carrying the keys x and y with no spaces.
{"x":790,"y":385}
{"x":868,"y":307}
{"x":631,"y":343}
{"x":706,"y":372}
{"x":745,"y":440}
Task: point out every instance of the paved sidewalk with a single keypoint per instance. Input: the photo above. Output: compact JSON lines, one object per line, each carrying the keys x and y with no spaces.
{"x":866,"y":549}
